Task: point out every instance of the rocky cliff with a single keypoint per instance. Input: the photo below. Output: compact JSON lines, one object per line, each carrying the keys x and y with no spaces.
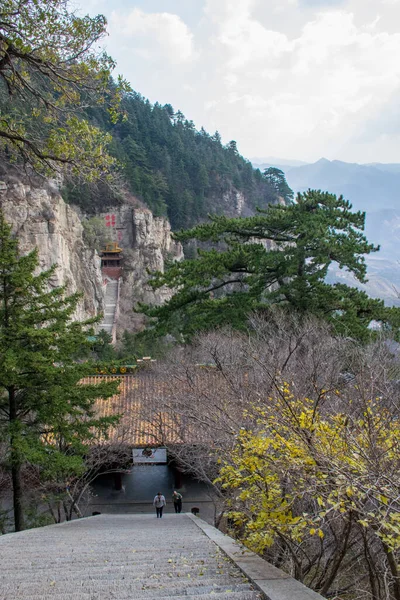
{"x":147,"y":244}
{"x":40,"y":218}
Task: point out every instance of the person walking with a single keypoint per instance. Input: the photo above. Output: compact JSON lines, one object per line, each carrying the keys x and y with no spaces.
{"x":177,"y":500}
{"x":159,"y":502}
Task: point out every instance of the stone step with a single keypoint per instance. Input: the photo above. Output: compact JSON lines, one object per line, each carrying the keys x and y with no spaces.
{"x":251,"y":595}
{"x":110,"y":301}
{"x":143,"y":562}
{"x":115,"y":587}
{"x":121,"y":557}
{"x":162,"y":564}
{"x":102,"y":573}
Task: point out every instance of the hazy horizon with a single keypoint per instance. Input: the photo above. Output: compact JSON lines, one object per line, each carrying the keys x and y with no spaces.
{"x":280,"y":160}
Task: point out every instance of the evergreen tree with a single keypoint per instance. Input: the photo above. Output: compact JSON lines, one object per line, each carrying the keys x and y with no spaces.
{"x":281,"y":255}
{"x":277,"y":179}
{"x":166,"y":162}
{"x":46,"y":413}
{"x":102,"y":347}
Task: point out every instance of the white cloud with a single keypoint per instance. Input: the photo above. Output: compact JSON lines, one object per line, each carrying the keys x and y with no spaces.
{"x":306,"y":94}
{"x":241,"y":37}
{"x":228,"y":9}
{"x":296,"y":78}
{"x":159,"y":35}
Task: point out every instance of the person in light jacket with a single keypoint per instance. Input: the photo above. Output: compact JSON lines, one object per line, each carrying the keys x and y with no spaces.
{"x":159,"y":502}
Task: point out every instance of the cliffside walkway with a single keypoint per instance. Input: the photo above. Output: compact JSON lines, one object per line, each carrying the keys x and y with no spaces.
{"x":111,"y":307}
{"x":137,"y":557}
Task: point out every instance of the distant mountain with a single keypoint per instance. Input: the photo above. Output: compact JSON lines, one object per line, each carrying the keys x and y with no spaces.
{"x":390,"y":167}
{"x":375,"y":189}
{"x":383,"y":279}
{"x":368,"y":187}
{"x":273,"y":161}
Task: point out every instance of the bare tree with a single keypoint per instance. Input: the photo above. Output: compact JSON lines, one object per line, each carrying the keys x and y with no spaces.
{"x":282,"y":378}
{"x":61,"y":498}
{"x":71,"y":496}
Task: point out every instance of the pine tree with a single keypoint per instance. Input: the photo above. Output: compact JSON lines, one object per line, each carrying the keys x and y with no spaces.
{"x":280,"y":256}
{"x":277,"y":179}
{"x":46,"y":414}
{"x":154,"y":141}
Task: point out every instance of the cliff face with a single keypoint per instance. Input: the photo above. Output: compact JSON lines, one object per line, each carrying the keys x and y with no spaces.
{"x":147,"y":244}
{"x":234,"y":203}
{"x":40,"y":218}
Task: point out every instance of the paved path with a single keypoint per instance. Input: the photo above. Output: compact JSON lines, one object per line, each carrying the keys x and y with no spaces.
{"x":121,"y":557}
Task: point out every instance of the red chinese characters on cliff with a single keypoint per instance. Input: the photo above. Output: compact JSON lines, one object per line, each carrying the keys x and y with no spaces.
{"x":110,"y":220}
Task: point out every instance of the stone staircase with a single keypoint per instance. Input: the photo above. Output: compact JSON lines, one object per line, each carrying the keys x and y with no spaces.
{"x":121,"y":557}
{"x":111,"y":300}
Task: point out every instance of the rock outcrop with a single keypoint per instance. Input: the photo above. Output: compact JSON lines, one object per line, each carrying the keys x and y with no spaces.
{"x":234,"y":203}
{"x":40,"y":218}
{"x":147,"y":244}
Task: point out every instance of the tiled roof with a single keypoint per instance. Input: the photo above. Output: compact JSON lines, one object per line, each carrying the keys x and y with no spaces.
{"x":152,"y":406}
{"x":140,"y":402}
{"x":190,"y":406}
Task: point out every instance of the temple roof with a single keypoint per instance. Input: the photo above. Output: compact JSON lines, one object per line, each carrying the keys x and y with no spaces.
{"x":112,"y":248}
{"x":152,"y":405}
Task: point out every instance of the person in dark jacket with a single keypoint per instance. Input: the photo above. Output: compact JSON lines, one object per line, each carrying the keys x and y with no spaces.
{"x":177,"y":500}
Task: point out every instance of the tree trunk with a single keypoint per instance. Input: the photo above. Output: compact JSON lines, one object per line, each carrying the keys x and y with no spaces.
{"x":15,"y":463}
{"x":345,"y":535}
{"x":394,"y":571}
{"x":17,"y":492}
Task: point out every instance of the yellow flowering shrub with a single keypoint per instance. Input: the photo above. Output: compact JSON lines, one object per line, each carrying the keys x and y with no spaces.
{"x":308,"y":471}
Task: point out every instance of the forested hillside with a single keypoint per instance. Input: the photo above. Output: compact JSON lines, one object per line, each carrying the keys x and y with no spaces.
{"x":175,"y":169}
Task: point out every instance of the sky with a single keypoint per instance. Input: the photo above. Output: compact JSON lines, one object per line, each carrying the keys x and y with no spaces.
{"x":297,"y":79}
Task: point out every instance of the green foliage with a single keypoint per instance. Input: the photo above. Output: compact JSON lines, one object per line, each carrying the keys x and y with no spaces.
{"x":50,"y":73}
{"x":102,"y":347}
{"x":280,"y":256}
{"x":134,"y":346}
{"x":36,"y":517}
{"x":277,"y":179}
{"x":95,"y":233}
{"x":59,"y":108}
{"x":176,"y":170}
{"x":46,"y":414}
{"x":92,"y":196}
